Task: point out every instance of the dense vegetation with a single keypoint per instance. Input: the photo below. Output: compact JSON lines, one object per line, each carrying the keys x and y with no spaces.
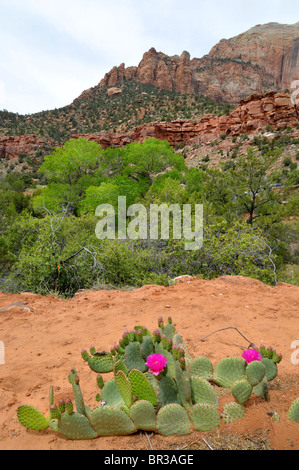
{"x":47,"y":236}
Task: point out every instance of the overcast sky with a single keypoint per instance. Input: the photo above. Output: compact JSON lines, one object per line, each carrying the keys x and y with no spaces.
{"x":53,"y":50}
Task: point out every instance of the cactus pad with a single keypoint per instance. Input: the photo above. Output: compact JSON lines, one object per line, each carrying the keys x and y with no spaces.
{"x":133,"y":357}
{"x":74,"y":380}
{"x":147,"y":347}
{"x":141,"y":386}
{"x":76,"y":426}
{"x":262,"y":389}
{"x":169,"y":330}
{"x":111,"y":421}
{"x":143,"y":415}
{"x":31,"y":418}
{"x":228,"y":370}
{"x":111,"y":394}
{"x":173,"y":420}
{"x":204,"y":417}
{"x":183,"y":384}
{"x":125,"y":388}
{"x":293,"y":412}
{"x":202,"y":391}
{"x":271,"y":368}
{"x":119,"y":365}
{"x":101,"y":364}
{"x":201,"y":367}
{"x":255,"y":372}
{"x":275,"y":416}
{"x":241,"y":391}
{"x":232,"y":412}
{"x":168,"y":391}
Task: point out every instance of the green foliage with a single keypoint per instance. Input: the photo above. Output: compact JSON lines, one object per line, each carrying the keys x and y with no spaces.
{"x":68,"y":164}
{"x":152,"y":157}
{"x":48,"y":241}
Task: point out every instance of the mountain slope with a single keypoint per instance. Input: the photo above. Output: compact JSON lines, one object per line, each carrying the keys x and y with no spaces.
{"x":100,"y":109}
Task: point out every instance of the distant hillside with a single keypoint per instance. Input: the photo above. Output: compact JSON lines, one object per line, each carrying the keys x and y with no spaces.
{"x":102,"y":109}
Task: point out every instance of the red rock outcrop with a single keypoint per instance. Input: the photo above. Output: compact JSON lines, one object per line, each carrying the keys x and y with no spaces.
{"x":172,"y":73}
{"x":12,"y":146}
{"x":264,"y":58}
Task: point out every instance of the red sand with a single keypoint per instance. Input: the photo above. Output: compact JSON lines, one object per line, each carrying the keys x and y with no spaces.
{"x":43,"y":338}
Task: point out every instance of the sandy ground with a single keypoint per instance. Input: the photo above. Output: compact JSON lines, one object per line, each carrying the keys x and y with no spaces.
{"x":43,"y":338}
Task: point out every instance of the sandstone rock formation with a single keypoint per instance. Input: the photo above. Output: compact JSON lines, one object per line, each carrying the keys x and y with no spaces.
{"x":252,"y":116}
{"x":114,"y":91}
{"x":264,"y":58}
{"x":12,"y":146}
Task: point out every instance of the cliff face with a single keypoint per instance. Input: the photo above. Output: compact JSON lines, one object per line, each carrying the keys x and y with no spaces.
{"x":273,"y":47}
{"x":264,"y":58}
{"x":172,"y":73}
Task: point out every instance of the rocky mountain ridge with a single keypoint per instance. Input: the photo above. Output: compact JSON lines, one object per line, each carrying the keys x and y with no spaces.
{"x":264,"y":58}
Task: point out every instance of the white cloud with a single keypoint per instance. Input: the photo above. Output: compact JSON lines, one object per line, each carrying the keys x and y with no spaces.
{"x":112,"y":28}
{"x":2,"y":92}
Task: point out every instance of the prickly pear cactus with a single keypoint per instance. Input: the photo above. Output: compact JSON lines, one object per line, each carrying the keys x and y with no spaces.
{"x":155,"y":385}
{"x":232,"y":412}
{"x":293,"y":412}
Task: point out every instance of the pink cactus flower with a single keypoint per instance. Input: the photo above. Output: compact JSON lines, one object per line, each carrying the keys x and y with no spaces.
{"x":251,"y":355}
{"x":156,"y":363}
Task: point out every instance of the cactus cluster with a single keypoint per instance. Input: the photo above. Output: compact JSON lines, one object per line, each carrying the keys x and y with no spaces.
{"x":171,"y":396}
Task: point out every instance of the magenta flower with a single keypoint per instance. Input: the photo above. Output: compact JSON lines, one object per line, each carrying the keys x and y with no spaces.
{"x":251,"y":355}
{"x":156,"y":363}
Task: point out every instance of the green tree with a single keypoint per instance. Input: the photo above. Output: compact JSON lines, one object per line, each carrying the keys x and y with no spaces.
{"x":152,"y":157}
{"x":66,"y":165}
{"x":252,"y":186}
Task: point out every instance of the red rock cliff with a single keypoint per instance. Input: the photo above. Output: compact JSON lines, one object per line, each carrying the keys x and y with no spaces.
{"x":263,"y":58}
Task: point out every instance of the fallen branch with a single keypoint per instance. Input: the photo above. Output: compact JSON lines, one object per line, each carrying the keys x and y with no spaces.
{"x":251,"y":345}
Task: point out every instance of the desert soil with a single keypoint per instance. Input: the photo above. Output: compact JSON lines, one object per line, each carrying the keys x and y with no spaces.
{"x":43,"y":337}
